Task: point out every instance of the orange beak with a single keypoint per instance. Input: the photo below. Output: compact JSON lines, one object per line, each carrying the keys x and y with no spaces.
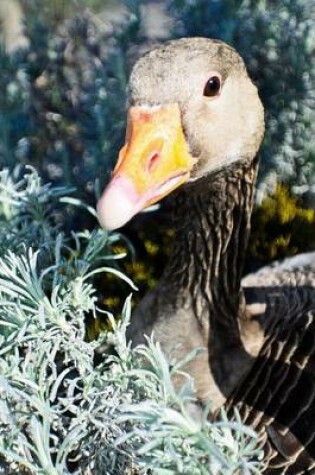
{"x":153,"y":162}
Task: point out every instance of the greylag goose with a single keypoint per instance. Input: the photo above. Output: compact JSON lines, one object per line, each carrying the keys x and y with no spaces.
{"x":195,"y":124}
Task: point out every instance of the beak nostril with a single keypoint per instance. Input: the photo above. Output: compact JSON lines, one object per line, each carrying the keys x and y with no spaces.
{"x":153,"y":160}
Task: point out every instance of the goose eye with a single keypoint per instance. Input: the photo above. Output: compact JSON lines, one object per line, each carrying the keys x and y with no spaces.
{"x":212,"y":87}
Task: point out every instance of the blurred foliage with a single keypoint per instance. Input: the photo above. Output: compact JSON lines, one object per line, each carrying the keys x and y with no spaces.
{"x":277,"y":42}
{"x":62,"y":100}
{"x":281,"y":227}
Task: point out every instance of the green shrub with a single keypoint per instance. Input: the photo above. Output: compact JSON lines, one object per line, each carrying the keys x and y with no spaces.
{"x":281,"y":227}
{"x":62,"y":100}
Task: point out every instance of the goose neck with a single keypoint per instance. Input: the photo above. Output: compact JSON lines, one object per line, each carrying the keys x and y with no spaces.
{"x":212,"y":220}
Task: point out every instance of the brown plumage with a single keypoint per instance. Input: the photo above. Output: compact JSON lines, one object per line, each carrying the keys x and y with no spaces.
{"x":259,"y":342}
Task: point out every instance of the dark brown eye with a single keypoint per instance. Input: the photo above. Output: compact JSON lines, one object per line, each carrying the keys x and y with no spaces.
{"x":212,"y":87}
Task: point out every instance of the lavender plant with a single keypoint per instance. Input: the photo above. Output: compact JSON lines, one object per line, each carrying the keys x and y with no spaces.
{"x":65,"y":406}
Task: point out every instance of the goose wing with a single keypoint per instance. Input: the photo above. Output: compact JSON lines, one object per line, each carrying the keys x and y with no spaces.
{"x":277,"y":396}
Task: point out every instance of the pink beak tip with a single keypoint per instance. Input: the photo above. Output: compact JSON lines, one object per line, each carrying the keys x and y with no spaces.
{"x":118,"y":203}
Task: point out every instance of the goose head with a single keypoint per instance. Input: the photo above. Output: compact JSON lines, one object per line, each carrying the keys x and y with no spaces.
{"x":193,"y":110}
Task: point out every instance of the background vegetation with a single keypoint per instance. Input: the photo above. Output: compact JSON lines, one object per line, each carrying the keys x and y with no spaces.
{"x":62,"y":110}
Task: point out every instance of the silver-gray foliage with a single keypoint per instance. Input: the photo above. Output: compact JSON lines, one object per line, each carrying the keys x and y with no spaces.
{"x":63,"y":408}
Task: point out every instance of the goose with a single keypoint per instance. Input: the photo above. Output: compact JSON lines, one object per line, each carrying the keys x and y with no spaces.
{"x":194,"y":127}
